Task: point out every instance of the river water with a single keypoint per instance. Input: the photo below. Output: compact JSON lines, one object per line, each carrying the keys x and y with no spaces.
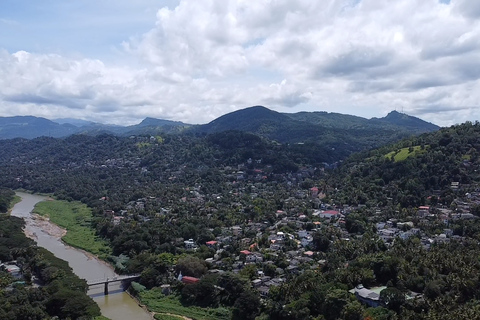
{"x":117,"y":305}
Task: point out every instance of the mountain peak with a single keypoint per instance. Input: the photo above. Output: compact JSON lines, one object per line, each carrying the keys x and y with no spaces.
{"x":248,"y":119}
{"x":405,"y":120}
{"x":147,"y":122}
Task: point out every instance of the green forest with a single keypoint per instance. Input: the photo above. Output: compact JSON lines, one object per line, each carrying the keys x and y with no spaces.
{"x":268,"y":230}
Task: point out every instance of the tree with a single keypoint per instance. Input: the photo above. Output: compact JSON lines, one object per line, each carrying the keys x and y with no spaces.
{"x":233,"y":286}
{"x":392,"y":298}
{"x":321,"y":242}
{"x":191,"y":266}
{"x":353,"y":311}
{"x":247,"y":306}
{"x":249,"y":271}
{"x":335,"y":301}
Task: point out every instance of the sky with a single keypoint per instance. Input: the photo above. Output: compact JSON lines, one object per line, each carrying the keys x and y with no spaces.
{"x":195,"y":60}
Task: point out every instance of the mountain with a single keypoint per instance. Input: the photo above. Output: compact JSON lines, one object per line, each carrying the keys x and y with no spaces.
{"x":334,"y":135}
{"x":394,"y":120}
{"x":301,"y":126}
{"x":155,"y":126}
{"x":75,"y":122}
{"x":152,"y":122}
{"x":254,"y":119}
{"x":31,"y":127}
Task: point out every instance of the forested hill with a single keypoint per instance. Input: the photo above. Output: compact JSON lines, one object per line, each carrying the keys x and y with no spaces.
{"x":338,"y":134}
{"x":84,"y":168}
{"x":414,"y":169}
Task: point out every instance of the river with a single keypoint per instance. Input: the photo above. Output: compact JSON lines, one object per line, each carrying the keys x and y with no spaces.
{"x":117,"y":305}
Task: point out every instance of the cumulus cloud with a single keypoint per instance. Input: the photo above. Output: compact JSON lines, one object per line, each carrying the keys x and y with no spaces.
{"x":203,"y":58}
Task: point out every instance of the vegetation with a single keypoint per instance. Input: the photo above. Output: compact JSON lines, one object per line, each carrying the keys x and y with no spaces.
{"x":255,"y":198}
{"x":404,"y":153}
{"x":162,"y":316}
{"x":157,"y":302}
{"x":449,"y":155}
{"x":76,"y":218}
{"x":7,"y":199}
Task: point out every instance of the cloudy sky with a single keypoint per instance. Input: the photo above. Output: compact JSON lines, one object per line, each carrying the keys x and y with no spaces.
{"x":194,"y":60}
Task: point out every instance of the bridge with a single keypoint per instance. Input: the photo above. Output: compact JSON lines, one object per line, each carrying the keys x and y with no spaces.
{"x":105,"y":282}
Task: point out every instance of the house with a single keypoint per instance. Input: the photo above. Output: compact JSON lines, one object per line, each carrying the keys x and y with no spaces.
{"x":307,"y":241}
{"x":370,"y":297}
{"x":211,"y":244}
{"x":189,"y":280}
{"x":190,"y":244}
{"x":330,"y":214}
{"x":263,"y":290}
{"x":309,"y":253}
{"x":236,"y":230}
{"x":257,"y":283}
{"x":13,"y":270}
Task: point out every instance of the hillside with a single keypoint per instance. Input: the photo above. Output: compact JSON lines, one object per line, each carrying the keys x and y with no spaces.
{"x":410,"y":171}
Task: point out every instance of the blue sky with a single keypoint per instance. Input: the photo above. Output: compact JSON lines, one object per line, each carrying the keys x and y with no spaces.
{"x":88,"y":28}
{"x":121,"y":61}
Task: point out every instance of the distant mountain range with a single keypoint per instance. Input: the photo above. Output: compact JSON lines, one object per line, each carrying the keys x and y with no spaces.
{"x":30,"y":127}
{"x":333,"y":132}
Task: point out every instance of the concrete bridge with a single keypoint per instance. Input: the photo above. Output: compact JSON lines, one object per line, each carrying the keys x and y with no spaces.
{"x":123,"y":279}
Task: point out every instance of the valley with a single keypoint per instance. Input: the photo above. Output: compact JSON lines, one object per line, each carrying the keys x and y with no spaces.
{"x":238,"y":226}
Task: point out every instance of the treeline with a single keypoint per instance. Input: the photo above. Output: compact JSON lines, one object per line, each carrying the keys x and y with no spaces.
{"x":48,"y":287}
{"x":6,"y":197}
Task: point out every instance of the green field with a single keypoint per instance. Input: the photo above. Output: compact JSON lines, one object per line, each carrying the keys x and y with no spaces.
{"x":76,"y":218}
{"x":157,"y":302}
{"x":404,"y":153}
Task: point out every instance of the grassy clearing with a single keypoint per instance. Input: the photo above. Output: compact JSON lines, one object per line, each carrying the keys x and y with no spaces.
{"x":76,"y":218}
{"x":404,"y":153}
{"x":158,"y":302}
{"x":101,"y":318}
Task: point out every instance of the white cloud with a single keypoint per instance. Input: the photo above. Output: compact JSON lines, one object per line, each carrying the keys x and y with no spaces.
{"x":204,"y":58}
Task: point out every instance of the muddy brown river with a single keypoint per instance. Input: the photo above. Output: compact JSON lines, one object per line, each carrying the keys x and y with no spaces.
{"x":117,"y":305}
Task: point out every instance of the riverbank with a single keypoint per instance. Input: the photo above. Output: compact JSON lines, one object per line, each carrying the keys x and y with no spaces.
{"x":85,"y":265}
{"x":16,"y":199}
{"x":75,"y":217}
{"x":47,"y":226}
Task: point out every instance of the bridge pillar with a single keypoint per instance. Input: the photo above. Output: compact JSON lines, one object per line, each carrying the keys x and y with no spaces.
{"x":105,"y":290}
